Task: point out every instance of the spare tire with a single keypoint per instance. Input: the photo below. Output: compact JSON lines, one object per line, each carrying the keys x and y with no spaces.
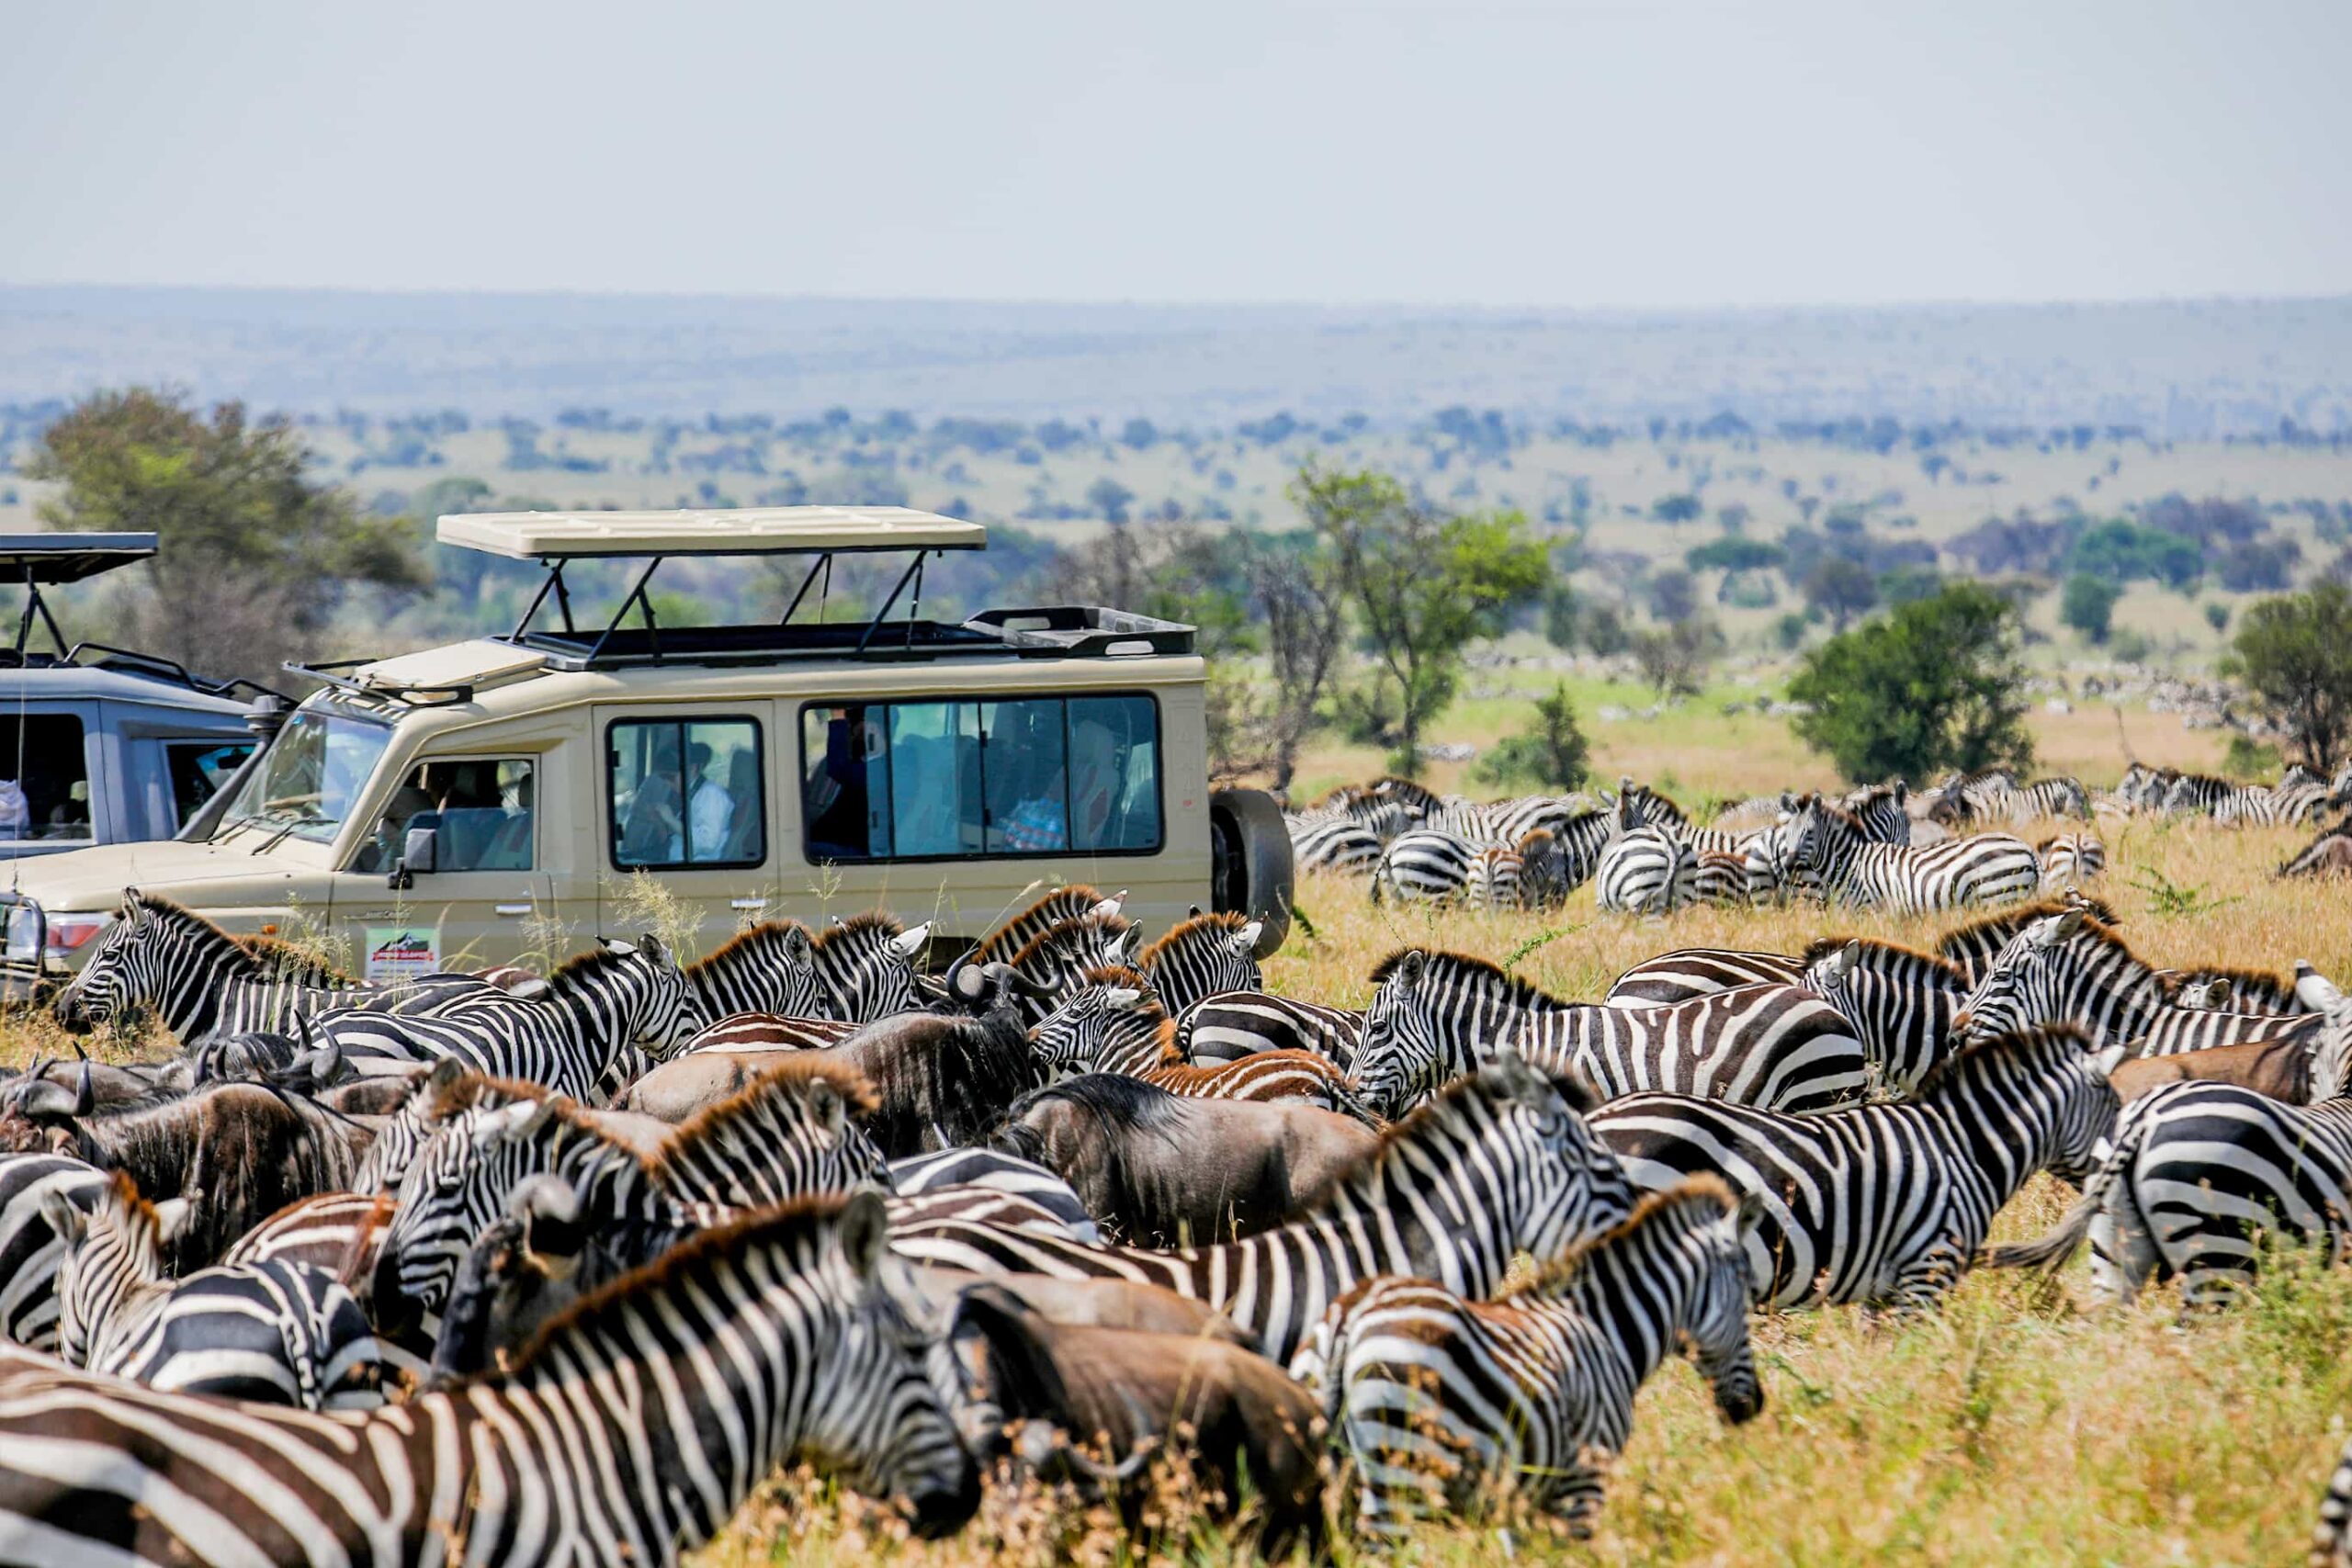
{"x":1249,"y":863}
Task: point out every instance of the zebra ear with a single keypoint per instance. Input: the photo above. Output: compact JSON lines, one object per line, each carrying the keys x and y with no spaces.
{"x":1750,"y":1212}
{"x":2314,"y":990}
{"x":826,"y":1105}
{"x":651,"y":945}
{"x":445,"y":1074}
{"x":1122,"y":997}
{"x":796,"y":946}
{"x":2105,"y":1061}
{"x":909,"y":942}
{"x":618,"y":948}
{"x":1112,"y":905}
{"x":1410,"y":969}
{"x":2057,"y":928}
{"x":67,"y":1220}
{"x":1245,"y":941}
{"x":864,"y":1230}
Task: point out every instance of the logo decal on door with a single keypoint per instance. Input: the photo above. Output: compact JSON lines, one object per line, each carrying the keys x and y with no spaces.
{"x":401,"y":953}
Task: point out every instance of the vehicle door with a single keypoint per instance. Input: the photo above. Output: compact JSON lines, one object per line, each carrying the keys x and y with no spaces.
{"x":53,"y":793}
{"x":687,"y":835}
{"x":487,"y":894}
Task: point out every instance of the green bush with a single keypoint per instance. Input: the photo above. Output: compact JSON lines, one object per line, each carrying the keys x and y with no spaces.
{"x":1551,"y":755}
{"x":2295,"y":651}
{"x":1932,"y":685}
{"x":2088,"y":606}
{"x":2254,"y":761}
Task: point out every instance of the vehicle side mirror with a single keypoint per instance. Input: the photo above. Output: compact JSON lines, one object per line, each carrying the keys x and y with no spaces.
{"x":421,"y":851}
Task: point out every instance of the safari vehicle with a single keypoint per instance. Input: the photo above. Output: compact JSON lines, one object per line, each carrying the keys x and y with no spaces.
{"x":497,"y":798}
{"x":100,"y":745}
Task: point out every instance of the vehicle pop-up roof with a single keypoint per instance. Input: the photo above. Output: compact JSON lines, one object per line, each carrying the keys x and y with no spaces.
{"x":34,"y":561}
{"x":555,"y":539}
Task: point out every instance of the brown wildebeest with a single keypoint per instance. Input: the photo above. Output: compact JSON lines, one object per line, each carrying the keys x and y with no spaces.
{"x":1133,"y":1397}
{"x":2283,"y":1069}
{"x":1162,"y":1170}
{"x":2330,"y":854}
{"x":1096,"y":1304}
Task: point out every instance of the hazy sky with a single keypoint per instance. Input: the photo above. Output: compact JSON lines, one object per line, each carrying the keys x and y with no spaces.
{"x":1643,"y":153}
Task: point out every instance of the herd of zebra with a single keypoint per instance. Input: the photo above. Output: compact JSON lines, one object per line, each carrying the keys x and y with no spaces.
{"x":1878,"y":847}
{"x":510,"y":1269}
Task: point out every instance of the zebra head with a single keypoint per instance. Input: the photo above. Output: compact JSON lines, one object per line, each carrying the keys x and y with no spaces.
{"x":1713,"y":1240}
{"x":1203,"y":957}
{"x":877,"y":1412}
{"x":459,"y":1183}
{"x":867,"y":967}
{"x":132,"y":968}
{"x":108,"y":1251}
{"x":404,"y":1132}
{"x":652,"y":992}
{"x":1402,"y":1055}
{"x":2023,"y":985}
{"x":2331,"y":1058}
{"x":1547,"y":1176}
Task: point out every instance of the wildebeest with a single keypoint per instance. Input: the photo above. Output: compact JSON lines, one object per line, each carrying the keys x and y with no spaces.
{"x":1163,"y":1170}
{"x":1136,"y":1397}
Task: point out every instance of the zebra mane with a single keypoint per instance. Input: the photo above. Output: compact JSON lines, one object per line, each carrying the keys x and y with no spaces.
{"x":794,"y":1227}
{"x":585,"y":963}
{"x":1062,"y":904}
{"x":1069,"y":934}
{"x":1825,"y":946}
{"x":1198,"y":928}
{"x":2274,"y":989}
{"x":1395,"y":787}
{"x":481,"y":1091}
{"x":874,"y":925}
{"x":1996,"y":930}
{"x":248,"y":957}
{"x":747,"y":944}
{"x":789,"y":1080}
{"x":2017,"y":1042}
{"x":1517,"y":991}
{"x":1665,"y":1206}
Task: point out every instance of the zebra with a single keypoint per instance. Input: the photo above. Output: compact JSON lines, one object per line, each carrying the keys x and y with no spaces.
{"x":274,"y":1332}
{"x":1113,"y":1024}
{"x":2225,"y":987}
{"x":1972,"y":946}
{"x":1901,"y":1002}
{"x":865,"y":966}
{"x":1203,"y":957}
{"x":985,"y":1184}
{"x":1425,"y":865}
{"x":614,"y":995}
{"x":1051,"y":963}
{"x":1439,"y":1402}
{"x":1073,"y":902}
{"x":769,"y":967}
{"x":1688,"y":972}
{"x":791,"y":1132}
{"x":2264,"y":806}
{"x":630,"y":1431}
{"x":2199,"y":1175}
{"x":2068,"y":968}
{"x":1509,"y":821}
{"x":1721,"y":878}
{"x":1498,"y":1163}
{"x":203,"y":984}
{"x":1883,"y":1204}
{"x":1435,"y":1015}
{"x":1233,"y":1024}
{"x":2069,"y":859}
{"x":1645,"y":871}
{"x":30,"y":1246}
{"x":2329,"y":854}
{"x":2199,"y":792}
{"x":1339,"y":844}
{"x":1986,"y":869}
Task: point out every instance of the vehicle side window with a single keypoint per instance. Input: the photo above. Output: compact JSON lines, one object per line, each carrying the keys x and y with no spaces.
{"x":44,"y":777}
{"x":199,"y":769}
{"x":933,"y":780}
{"x":686,"y":792}
{"x":482,"y":812}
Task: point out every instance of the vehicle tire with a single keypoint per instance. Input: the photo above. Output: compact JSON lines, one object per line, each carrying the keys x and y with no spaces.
{"x":1249,"y":863}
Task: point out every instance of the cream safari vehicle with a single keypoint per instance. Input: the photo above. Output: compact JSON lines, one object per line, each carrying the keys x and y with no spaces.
{"x":476,"y":804}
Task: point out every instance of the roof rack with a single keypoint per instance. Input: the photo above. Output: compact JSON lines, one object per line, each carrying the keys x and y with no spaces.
{"x":33,"y":560}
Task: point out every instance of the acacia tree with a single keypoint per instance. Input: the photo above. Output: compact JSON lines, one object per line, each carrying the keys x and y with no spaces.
{"x":1423,"y":583}
{"x":2295,"y":653}
{"x":1303,"y":609}
{"x":1932,"y":685}
{"x":255,"y":556}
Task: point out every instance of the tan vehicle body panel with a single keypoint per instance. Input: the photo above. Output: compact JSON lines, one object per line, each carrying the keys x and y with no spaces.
{"x":558,"y":717}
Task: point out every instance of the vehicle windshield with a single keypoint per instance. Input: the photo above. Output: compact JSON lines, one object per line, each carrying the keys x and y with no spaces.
{"x":311,"y":778}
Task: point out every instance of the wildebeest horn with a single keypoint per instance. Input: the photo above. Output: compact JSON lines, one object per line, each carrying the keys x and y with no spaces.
{"x":544,"y":1197}
{"x":1005,"y":974}
{"x":964,"y":983}
{"x":38,"y":1098}
{"x":1044,"y":1445}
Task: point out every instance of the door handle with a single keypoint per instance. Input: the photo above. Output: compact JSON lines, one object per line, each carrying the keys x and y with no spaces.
{"x":746,"y":903}
{"x":512,"y":908}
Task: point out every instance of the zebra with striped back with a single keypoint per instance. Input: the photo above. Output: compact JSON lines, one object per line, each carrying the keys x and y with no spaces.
{"x":2067,"y":968}
{"x":1338,"y":844}
{"x":1508,"y":821}
{"x":789,"y":1336}
{"x":273,"y":1333}
{"x":1054,"y":963}
{"x":336,"y":1232}
{"x":1902,"y":1003}
{"x":202,"y":984}
{"x":1114,"y":1023}
{"x":1974,"y":944}
{"x":1201,"y":957}
{"x":614,"y":995}
{"x":1986,"y":869}
{"x":2264,"y":806}
{"x":1424,"y":866}
{"x":1499,"y":1164}
{"x":2197,"y":1178}
{"x":1495,"y":879}
{"x":866,"y":966}
{"x":1645,"y":868}
{"x":2069,"y":859}
{"x":1883,"y":1204}
{"x":1074,"y":902}
{"x":988,"y":1185}
{"x":1235,"y":1025}
{"x":790,"y":1132}
{"x":1437,"y":1015}
{"x":1688,"y":972}
{"x":1440,"y":1403}
{"x":2196,"y":793}
{"x":31,"y":1248}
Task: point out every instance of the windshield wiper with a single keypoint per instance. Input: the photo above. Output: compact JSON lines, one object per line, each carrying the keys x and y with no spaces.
{"x":275,"y":839}
{"x":234,"y":825}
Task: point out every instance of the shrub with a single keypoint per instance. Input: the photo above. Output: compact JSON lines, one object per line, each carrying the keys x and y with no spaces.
{"x":1551,"y":755}
{"x":1929,"y":685}
{"x":2295,"y":653}
{"x":2088,"y":606}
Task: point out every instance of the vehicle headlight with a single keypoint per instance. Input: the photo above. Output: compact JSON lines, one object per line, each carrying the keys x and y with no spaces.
{"x":67,"y":934}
